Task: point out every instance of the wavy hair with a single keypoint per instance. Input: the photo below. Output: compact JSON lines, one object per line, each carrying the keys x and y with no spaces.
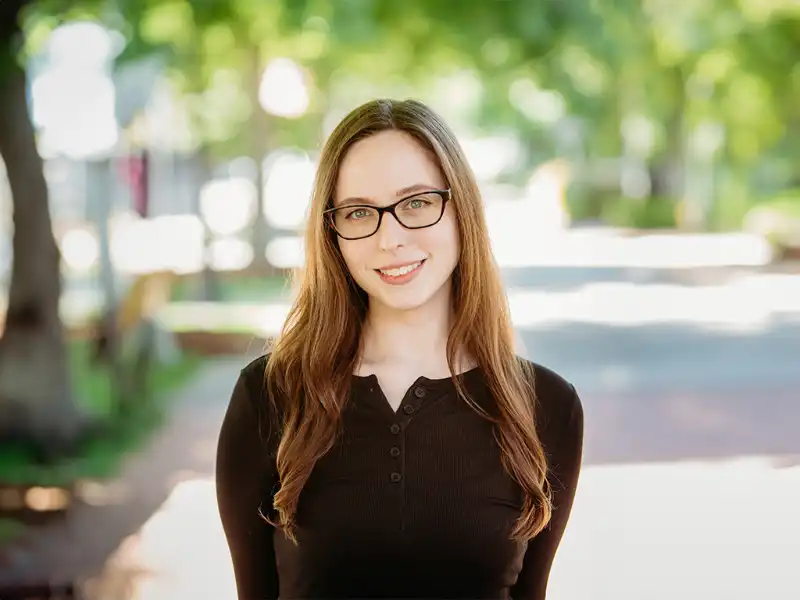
{"x":312,"y":360}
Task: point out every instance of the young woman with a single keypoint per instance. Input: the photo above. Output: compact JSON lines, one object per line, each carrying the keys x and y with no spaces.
{"x":392,"y":444}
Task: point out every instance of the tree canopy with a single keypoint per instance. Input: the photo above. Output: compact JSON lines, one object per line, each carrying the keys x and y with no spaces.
{"x":660,"y":79}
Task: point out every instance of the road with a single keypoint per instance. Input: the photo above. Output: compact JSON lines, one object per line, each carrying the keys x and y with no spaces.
{"x":637,"y":330}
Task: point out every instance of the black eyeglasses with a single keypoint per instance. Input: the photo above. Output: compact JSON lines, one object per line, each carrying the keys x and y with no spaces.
{"x":358,"y":221}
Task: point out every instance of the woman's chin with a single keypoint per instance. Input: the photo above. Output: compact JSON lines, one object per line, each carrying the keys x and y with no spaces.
{"x":400,"y":302}
{"x":405,"y":298}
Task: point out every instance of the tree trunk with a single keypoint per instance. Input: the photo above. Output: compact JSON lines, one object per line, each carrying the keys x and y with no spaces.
{"x":209,"y":281}
{"x":261,"y":233}
{"x":36,"y":400}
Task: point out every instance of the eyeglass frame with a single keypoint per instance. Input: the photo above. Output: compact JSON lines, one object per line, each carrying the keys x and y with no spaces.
{"x":444,"y":194}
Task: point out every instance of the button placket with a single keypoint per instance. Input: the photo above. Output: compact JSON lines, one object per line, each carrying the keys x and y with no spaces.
{"x":396,"y":452}
{"x":411,"y":404}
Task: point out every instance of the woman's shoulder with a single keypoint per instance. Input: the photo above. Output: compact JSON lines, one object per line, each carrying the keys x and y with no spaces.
{"x":251,"y":383}
{"x":558,"y":406}
{"x":248,"y":435}
{"x":253,"y":372}
{"x":250,"y":394}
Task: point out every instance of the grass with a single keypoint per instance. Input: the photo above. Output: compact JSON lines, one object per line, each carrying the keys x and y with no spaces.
{"x":214,"y":328}
{"x":9,"y":528}
{"x":100,"y":455}
{"x":778,"y":220}
{"x":789,"y":207}
{"x":237,"y":289}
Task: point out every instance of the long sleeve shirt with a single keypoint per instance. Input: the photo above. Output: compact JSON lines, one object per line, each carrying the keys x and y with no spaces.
{"x":412,"y":503}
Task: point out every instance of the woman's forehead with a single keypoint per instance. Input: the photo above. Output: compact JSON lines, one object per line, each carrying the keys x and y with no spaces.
{"x":386,"y":165}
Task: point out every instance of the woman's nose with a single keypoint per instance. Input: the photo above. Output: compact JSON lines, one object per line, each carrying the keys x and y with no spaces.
{"x":390,"y":234}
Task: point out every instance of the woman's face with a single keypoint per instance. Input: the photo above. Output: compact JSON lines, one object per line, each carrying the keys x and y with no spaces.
{"x":399,"y":268}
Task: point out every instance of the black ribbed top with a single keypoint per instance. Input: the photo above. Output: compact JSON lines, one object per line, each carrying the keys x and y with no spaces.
{"x":412,"y":504}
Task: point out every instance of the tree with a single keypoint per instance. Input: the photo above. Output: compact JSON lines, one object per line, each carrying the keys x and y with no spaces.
{"x":36,"y":398}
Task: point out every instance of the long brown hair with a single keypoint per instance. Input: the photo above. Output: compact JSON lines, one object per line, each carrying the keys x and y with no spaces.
{"x":312,"y":361}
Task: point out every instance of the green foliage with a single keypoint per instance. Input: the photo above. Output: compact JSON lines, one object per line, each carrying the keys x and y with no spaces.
{"x":778,"y":220}
{"x":675,"y":64}
{"x":640,"y":213}
{"x":246,"y":289}
{"x":619,"y":211}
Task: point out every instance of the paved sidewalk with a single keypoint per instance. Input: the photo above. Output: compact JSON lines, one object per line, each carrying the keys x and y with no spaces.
{"x":711,"y":530}
{"x":693,"y":530}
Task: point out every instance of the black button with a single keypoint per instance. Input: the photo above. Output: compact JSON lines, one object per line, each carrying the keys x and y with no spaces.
{"x":419,"y":392}
{"x":395,"y":477}
{"x":395,"y":428}
{"x":408,"y":409}
{"x":395,"y":451}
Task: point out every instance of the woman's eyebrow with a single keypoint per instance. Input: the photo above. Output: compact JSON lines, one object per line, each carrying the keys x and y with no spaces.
{"x":410,"y":189}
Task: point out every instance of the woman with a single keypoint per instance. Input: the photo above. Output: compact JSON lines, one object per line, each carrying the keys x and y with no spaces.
{"x":392,"y":444}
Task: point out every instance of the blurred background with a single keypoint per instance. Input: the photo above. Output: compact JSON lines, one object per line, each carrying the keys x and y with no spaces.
{"x":640,"y":165}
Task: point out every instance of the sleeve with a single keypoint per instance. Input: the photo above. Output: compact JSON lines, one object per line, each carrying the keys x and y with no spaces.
{"x":565,"y":469}
{"x":244,"y":480}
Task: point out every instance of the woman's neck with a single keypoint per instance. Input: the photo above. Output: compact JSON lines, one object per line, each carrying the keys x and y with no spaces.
{"x":416,"y":339}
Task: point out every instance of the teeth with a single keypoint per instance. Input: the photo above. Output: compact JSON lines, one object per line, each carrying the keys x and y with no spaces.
{"x":401,"y":270}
